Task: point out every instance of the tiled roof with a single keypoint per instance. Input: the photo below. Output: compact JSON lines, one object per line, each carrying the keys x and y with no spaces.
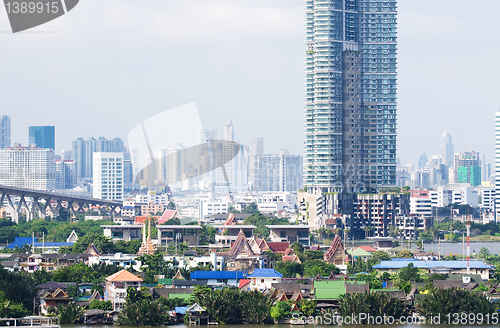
{"x":278,"y":247}
{"x":265,"y":273}
{"x":217,"y":275}
{"x":432,"y":264}
{"x":367,"y":248}
{"x":244,"y":282}
{"x":123,"y":275}
{"x":329,"y":289}
{"x":167,"y":215}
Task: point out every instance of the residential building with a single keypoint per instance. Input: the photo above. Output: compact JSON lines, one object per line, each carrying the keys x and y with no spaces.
{"x":420,"y":203}
{"x":152,"y":198}
{"x":227,"y":234}
{"x":122,"y":232}
{"x":108,"y":176}
{"x":116,"y":287}
{"x":281,"y":172}
{"x":171,"y":234}
{"x":65,"y":174}
{"x":83,"y":153}
{"x":487,"y":195}
{"x":27,"y":167}
{"x":263,"y":279}
{"x":152,"y":209}
{"x":290,"y":234}
{"x":350,"y":100}
{"x":42,"y":136}
{"x":5,"y":133}
{"x":209,"y":207}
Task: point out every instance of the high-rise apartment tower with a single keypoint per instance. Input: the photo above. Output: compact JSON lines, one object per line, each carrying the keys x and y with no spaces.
{"x":351,"y":80}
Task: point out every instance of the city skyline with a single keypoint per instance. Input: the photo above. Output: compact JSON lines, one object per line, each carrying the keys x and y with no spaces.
{"x":430,"y":45}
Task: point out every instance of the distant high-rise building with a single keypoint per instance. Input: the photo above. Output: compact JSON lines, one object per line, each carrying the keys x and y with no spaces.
{"x":281,"y":172}
{"x":350,"y":101}
{"x":83,"y":152}
{"x":422,"y":161}
{"x":468,"y":168}
{"x":66,"y":154}
{"x":27,"y":167}
{"x":229,"y":131}
{"x":5,"y":131}
{"x":205,"y":135}
{"x":255,"y":149}
{"x":42,"y":136}
{"x":65,"y":174}
{"x":108,"y":175}
{"x":447,"y":149}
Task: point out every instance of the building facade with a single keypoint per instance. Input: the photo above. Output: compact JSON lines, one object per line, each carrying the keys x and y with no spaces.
{"x":447,"y":149}
{"x":468,"y":168}
{"x":281,"y":172}
{"x":351,"y":83}
{"x":42,"y":136}
{"x":83,"y":152}
{"x":65,"y":174}
{"x":108,"y":176}
{"x":27,"y":167}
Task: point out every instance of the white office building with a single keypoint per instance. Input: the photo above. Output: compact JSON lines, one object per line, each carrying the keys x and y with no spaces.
{"x":108,"y":176}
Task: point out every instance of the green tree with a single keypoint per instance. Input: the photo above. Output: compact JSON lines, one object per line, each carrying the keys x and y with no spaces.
{"x":250,"y":209}
{"x":410,"y":273}
{"x":171,"y":206}
{"x":405,"y":254}
{"x":374,"y":303}
{"x":256,"y":307}
{"x":281,"y":310}
{"x":484,"y":253}
{"x":314,"y":267}
{"x":69,"y":313}
{"x":289,"y":269}
{"x":101,"y":242}
{"x":307,"y":307}
{"x":101,"y":305}
{"x":455,"y":300}
{"x":173,"y":221}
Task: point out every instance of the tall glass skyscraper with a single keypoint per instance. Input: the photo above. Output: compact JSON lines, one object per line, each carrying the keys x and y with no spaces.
{"x":350,"y":107}
{"x":43,"y":136}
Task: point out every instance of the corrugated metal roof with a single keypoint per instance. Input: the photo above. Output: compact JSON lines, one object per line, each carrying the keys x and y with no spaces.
{"x":265,"y":273}
{"x":432,"y":264}
{"x":21,"y":241}
{"x":217,"y":275}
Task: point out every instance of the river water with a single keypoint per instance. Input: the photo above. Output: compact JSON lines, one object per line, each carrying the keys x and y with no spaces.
{"x":459,"y":247}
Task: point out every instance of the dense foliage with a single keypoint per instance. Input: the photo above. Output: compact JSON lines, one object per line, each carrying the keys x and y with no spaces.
{"x":232,"y":306}
{"x":260,"y":221}
{"x":374,"y":303}
{"x":454,"y":300}
{"x":140,"y":310}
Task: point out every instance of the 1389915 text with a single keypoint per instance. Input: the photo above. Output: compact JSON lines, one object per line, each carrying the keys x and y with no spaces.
{"x":32,"y":7}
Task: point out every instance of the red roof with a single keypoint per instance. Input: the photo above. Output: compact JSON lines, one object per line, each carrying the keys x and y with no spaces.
{"x":141,"y":219}
{"x":278,"y":247}
{"x":367,"y":248}
{"x":244,"y":282}
{"x":167,"y":215}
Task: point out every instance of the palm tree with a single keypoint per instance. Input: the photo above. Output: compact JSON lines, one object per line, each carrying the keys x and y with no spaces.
{"x":367,"y":230}
{"x":346,"y":234}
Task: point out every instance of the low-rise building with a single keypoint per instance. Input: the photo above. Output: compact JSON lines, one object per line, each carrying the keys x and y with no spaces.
{"x":116,"y":287}
{"x":227,"y":234}
{"x":263,"y":279}
{"x":168,"y":234}
{"x":290,"y":233}
{"x":219,"y":278}
{"x":122,"y":232}
{"x":452,"y":267}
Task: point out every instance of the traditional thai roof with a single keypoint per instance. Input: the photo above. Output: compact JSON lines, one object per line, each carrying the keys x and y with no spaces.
{"x":123,"y":275}
{"x":336,"y":253}
{"x":278,"y":247}
{"x":318,"y":277}
{"x":167,"y":215}
{"x":254,"y":245}
{"x":241,"y":246}
{"x":92,"y":250}
{"x":281,"y":297}
{"x":141,"y":219}
{"x":292,"y":258}
{"x":296,"y":297}
{"x":231,"y":220}
{"x":446,"y":284}
{"x":196,"y":308}
{"x":73,"y":237}
{"x":331,"y":276}
{"x":315,"y":248}
{"x":263,"y":245}
{"x":178,"y":275}
{"x":58,"y":294}
{"x":294,"y":308}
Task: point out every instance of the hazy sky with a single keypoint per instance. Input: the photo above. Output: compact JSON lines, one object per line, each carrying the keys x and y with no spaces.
{"x":107,"y":65}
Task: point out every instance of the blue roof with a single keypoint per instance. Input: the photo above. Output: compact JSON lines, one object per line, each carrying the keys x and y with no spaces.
{"x":218,"y":275}
{"x":403,"y":259}
{"x":432,"y":264}
{"x":21,"y":241}
{"x":265,"y":273}
{"x":181,"y":309}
